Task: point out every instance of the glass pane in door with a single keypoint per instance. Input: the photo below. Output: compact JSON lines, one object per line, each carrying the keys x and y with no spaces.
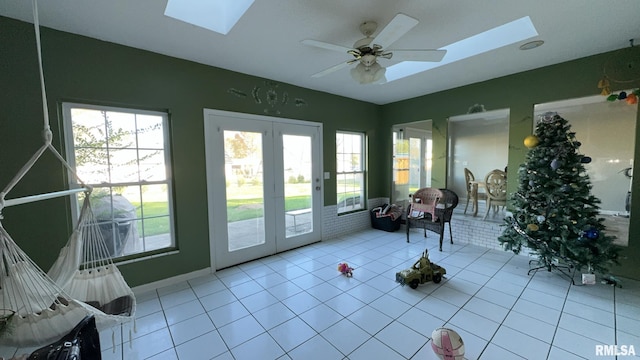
{"x":428,"y":163}
{"x":415,"y":164}
{"x":298,"y":184}
{"x":243,"y":169}
{"x":400,"y":169}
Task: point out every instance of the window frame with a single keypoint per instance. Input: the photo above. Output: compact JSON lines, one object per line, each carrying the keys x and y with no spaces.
{"x":362,"y":171}
{"x":69,"y":145}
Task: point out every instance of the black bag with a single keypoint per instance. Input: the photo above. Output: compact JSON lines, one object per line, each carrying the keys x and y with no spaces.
{"x":83,"y":342}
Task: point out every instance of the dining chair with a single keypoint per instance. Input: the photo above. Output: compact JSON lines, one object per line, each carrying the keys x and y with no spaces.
{"x":496,"y":186}
{"x":472,"y":191}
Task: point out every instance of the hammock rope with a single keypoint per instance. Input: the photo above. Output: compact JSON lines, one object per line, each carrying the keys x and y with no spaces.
{"x":83,"y":280}
{"x":47,"y":135}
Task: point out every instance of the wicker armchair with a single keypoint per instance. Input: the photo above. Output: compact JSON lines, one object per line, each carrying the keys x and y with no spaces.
{"x":443,"y":213}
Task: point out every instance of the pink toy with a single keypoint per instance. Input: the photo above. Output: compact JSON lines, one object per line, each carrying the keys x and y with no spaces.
{"x":345,"y":269}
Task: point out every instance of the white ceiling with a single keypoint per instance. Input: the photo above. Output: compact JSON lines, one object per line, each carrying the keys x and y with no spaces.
{"x":266,"y":40}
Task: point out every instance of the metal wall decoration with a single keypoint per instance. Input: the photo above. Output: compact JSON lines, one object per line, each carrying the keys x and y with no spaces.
{"x":270,"y":96}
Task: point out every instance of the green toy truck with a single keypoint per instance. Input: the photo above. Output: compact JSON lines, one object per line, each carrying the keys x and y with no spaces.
{"x":421,"y":272}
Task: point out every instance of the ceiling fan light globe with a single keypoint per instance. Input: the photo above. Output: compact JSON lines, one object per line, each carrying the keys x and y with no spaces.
{"x":368,"y":60}
{"x":379,"y":77}
{"x":368,"y":74}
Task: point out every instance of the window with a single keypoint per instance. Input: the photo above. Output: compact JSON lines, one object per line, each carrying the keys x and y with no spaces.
{"x":350,"y":171}
{"x":123,"y":154}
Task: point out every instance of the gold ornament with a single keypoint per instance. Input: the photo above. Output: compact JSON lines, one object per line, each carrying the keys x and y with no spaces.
{"x":532,"y":227}
{"x":531,"y":141}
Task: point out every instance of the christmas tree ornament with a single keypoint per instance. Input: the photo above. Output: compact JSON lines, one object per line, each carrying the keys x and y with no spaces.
{"x":533,"y":227}
{"x":540,"y":218}
{"x":612,"y":97}
{"x":531,"y":141}
{"x":632,"y":99}
{"x":555,"y":164}
{"x":622,"y":95}
{"x":585,"y":160}
{"x":532,"y":183}
{"x":592,"y":233}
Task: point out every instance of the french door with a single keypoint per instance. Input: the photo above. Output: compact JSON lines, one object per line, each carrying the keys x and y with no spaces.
{"x":412,"y":154}
{"x":264,"y":185}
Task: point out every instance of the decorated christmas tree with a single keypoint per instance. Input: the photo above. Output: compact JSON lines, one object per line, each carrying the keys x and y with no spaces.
{"x":554,"y":213}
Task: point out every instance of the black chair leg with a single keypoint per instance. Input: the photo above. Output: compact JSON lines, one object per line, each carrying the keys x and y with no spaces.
{"x":408,"y":230}
{"x":450,"y":234}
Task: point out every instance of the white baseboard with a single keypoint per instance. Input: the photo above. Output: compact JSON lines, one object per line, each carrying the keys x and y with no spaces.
{"x":170,"y":281}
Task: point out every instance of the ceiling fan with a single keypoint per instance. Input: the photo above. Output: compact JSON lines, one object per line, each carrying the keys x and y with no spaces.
{"x":367,"y":50}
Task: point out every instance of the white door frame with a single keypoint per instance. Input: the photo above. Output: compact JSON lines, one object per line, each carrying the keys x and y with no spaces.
{"x":215,"y":176}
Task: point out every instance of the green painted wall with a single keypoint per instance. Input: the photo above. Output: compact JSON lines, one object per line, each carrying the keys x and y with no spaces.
{"x":520,"y":92}
{"x":82,"y":69}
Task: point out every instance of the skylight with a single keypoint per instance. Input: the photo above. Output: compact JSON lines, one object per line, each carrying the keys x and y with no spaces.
{"x":215,"y":15}
{"x":503,"y":35}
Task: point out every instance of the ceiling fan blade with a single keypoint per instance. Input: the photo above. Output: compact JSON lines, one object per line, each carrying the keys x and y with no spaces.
{"x":332,"y":69}
{"x":419,"y":55}
{"x":398,"y":26}
{"x":327,"y":46}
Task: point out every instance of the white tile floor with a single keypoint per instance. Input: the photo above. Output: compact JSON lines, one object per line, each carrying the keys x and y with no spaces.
{"x":296,"y":305}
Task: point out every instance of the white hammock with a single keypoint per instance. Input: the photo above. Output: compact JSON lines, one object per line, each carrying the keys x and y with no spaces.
{"x":82,"y":281}
{"x":42,"y":310}
{"x":85,"y":271}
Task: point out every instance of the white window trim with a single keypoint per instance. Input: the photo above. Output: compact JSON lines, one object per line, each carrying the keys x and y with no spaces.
{"x":363,"y":171}
{"x":71,"y":160}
